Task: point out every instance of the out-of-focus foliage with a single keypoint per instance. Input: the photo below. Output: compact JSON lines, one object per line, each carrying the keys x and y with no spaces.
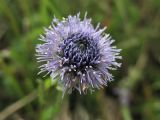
{"x":134,"y":24}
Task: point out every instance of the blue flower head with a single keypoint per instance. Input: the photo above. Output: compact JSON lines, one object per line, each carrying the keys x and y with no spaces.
{"x":79,"y":54}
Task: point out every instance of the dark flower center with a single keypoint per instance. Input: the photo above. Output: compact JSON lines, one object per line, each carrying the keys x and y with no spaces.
{"x":79,"y":50}
{"x":82,"y":45}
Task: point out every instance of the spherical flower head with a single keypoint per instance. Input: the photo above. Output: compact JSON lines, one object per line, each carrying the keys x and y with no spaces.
{"x":77,"y":53}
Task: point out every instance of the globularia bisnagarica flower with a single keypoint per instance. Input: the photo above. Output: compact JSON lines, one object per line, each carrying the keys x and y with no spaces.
{"x":79,"y":54}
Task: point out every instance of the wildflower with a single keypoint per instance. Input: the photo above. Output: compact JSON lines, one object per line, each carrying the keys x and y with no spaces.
{"x":79,"y":54}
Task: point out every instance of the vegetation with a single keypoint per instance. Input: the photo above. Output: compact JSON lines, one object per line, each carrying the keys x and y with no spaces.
{"x":134,"y":94}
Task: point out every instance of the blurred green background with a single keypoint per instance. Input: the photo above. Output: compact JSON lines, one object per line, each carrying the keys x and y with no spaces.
{"x":133,"y":95}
